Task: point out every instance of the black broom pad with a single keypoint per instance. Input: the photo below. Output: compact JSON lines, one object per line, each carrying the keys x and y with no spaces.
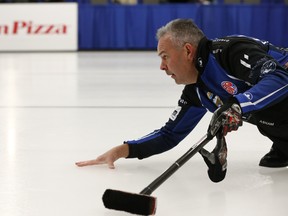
{"x":130,"y":202}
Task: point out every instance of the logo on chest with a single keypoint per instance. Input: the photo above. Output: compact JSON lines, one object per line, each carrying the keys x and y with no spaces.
{"x":229,"y":87}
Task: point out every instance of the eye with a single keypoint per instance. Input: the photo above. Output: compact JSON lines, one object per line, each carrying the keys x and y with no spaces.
{"x":164,"y":57}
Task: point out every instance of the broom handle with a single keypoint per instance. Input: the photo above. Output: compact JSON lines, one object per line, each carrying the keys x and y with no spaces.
{"x":177,"y":164}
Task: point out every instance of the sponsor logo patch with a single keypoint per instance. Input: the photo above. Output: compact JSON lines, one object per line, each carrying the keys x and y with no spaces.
{"x":248,"y":95}
{"x":268,"y":66}
{"x":229,"y":87}
{"x":175,"y":113}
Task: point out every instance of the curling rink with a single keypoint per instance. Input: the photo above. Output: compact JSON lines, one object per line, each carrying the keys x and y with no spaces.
{"x":60,"y":108}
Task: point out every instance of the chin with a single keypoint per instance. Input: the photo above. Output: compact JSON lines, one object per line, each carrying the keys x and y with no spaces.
{"x":179,"y":83}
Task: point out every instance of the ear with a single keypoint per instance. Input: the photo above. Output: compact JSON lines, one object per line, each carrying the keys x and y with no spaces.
{"x":190,"y":51}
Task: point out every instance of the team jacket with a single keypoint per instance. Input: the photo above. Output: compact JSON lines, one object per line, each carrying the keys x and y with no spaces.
{"x":250,"y":70}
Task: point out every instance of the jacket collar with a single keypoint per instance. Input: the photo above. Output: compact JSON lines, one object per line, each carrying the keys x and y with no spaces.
{"x":203,"y":50}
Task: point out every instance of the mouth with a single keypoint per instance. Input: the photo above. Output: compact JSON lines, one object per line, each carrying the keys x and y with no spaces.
{"x":172,"y":75}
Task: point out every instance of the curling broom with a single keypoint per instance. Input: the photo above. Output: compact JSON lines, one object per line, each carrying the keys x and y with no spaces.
{"x":142,"y":203}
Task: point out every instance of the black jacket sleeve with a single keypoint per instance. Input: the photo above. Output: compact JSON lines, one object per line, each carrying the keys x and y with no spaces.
{"x":182,"y":121}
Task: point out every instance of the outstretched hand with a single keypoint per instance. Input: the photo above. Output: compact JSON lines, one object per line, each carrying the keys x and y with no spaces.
{"x":103,"y":159}
{"x":108,"y":157}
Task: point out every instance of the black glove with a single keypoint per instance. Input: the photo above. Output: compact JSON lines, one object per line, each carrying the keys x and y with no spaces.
{"x":228,"y":116}
{"x":217,"y":159}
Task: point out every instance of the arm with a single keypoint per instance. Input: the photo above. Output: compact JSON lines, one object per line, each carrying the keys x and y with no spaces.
{"x":271,"y":89}
{"x":252,"y":61}
{"x":168,"y":136}
{"x":182,"y":121}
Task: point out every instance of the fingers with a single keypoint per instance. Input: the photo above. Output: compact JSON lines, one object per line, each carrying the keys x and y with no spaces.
{"x":95,"y":162}
{"x":87,"y":163}
{"x":109,"y":157}
{"x":111,"y":165}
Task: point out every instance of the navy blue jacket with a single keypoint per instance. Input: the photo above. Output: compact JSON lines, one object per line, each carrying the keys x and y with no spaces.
{"x":252,"y":71}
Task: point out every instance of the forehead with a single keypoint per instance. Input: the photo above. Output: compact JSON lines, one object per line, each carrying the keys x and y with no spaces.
{"x":164,"y":44}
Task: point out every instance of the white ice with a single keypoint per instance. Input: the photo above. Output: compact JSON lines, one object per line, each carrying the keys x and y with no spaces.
{"x":59,"y":108}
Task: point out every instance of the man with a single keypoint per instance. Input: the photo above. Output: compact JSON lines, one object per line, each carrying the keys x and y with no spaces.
{"x":236,"y":77}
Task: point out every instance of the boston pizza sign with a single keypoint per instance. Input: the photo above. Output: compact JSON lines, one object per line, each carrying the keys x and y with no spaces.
{"x":39,"y":27}
{"x":31,"y":28}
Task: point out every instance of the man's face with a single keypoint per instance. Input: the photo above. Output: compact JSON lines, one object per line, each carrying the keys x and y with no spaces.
{"x":177,"y":62}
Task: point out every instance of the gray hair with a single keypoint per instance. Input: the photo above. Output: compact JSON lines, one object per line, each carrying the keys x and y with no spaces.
{"x":181,"y":31}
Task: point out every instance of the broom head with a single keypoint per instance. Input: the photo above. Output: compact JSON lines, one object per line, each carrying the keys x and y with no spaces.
{"x":140,"y":204}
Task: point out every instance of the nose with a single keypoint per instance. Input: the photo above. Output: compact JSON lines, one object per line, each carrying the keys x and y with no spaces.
{"x":163,"y":66}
